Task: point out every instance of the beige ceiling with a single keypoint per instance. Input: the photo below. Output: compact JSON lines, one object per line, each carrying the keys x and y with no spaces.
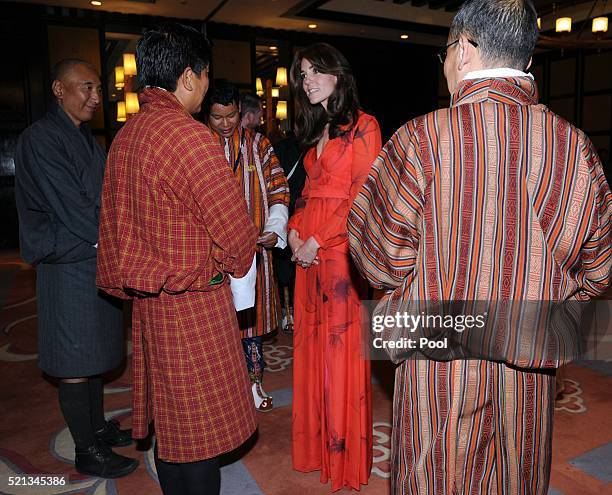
{"x":277,"y":14}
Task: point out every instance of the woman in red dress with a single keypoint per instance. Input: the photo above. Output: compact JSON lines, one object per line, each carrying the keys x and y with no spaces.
{"x":332,"y":410}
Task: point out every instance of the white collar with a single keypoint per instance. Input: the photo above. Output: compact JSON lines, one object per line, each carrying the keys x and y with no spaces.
{"x":497,"y":72}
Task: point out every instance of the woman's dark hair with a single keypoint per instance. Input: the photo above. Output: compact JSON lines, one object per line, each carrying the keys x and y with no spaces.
{"x":342,"y":105}
{"x":164,"y":52}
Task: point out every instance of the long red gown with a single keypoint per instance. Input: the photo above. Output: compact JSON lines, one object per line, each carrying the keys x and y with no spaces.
{"x":332,"y":409}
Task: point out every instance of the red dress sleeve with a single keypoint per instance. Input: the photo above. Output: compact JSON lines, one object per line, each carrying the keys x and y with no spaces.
{"x":366,"y":146}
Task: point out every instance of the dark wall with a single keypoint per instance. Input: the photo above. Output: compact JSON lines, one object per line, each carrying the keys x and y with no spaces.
{"x":396,"y":82}
{"x":22,"y":100}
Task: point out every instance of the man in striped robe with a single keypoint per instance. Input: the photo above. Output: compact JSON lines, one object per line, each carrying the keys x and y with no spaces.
{"x":266,"y":192}
{"x":497,"y":199}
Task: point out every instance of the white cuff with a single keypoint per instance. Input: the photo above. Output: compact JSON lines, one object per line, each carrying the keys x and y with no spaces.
{"x":277,"y":223}
{"x":243,"y":289}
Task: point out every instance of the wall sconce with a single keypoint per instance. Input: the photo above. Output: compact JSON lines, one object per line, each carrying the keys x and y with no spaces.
{"x":259,"y":87}
{"x":539,"y":23}
{"x":563,"y":25}
{"x":129,"y":64}
{"x":131,"y":103}
{"x":281,"y":110}
{"x":119,"y":78}
{"x":600,"y":25}
{"x":281,"y":76}
{"x":121,"y":115}
{"x":275,"y":92}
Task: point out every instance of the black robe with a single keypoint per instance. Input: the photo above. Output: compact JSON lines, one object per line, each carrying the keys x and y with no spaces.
{"x":59,"y":169}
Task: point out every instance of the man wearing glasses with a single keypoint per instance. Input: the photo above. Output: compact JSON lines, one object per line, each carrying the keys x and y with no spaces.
{"x":493,"y":199}
{"x":59,"y":168}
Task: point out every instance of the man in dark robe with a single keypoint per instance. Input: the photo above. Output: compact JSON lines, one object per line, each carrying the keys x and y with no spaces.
{"x":58,"y":178}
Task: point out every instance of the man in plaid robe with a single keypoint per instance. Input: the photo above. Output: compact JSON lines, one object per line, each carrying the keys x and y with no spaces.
{"x":494,"y":199}
{"x":266,"y":191}
{"x":173,"y":226}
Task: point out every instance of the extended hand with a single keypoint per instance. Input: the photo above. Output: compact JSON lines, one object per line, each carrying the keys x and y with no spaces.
{"x":267,"y":240}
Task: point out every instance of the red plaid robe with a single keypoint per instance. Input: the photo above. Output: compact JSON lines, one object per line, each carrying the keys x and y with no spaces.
{"x":172,"y":218}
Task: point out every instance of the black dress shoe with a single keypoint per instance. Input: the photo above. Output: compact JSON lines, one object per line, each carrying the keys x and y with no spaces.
{"x":99,"y":460}
{"x":111,"y":436}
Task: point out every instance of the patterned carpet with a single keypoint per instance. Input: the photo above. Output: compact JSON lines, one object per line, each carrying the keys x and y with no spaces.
{"x":34,"y":441}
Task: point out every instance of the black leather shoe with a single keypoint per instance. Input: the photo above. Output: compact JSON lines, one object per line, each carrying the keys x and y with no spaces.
{"x":111,"y":436}
{"x":99,"y":460}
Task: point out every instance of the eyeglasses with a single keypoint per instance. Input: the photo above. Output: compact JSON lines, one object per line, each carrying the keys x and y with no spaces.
{"x":442,"y":53}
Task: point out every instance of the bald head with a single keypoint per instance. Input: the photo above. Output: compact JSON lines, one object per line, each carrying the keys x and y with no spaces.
{"x":77,"y":89}
{"x":63,"y":67}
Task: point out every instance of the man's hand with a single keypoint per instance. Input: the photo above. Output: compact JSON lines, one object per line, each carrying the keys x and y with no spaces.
{"x":268,"y":240}
{"x":306,"y":254}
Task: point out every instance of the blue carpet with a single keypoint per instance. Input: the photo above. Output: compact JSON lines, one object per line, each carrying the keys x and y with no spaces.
{"x":596,"y":463}
{"x":282,"y":397}
{"x":236,"y":479}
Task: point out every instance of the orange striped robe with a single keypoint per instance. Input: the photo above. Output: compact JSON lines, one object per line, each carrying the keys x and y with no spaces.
{"x":257,"y":165}
{"x":495,"y":198}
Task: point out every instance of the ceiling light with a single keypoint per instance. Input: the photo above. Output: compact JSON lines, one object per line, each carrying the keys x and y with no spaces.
{"x":131,"y":103}
{"x":119,"y":78}
{"x":129,"y":64}
{"x":259,"y":86}
{"x":281,"y":76}
{"x":563,"y":25}
{"x":121,"y":115}
{"x":600,"y":25}
{"x":281,"y":110}
{"x":404,"y":36}
{"x":96,"y":3}
{"x":274,"y":48}
{"x":312,"y":26}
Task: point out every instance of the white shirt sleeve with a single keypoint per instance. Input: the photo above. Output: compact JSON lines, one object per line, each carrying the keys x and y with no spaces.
{"x":277,"y":223}
{"x":243,"y":289}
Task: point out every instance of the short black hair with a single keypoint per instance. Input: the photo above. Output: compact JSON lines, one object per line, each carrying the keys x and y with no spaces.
{"x":220,"y":91}
{"x":506,"y":30}
{"x":61,"y":68}
{"x":164,"y":52}
{"x":223,"y":92}
{"x":249,"y":103}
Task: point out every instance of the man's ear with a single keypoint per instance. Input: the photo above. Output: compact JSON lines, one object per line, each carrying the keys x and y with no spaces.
{"x":58,"y":89}
{"x":186,"y":79}
{"x":466,"y":52}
